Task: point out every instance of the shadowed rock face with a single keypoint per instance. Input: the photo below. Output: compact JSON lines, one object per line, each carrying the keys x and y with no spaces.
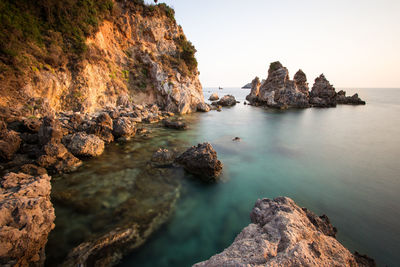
{"x":227,"y":101}
{"x":202,"y":161}
{"x":26,"y":218}
{"x":283,"y":234}
{"x":322,"y":94}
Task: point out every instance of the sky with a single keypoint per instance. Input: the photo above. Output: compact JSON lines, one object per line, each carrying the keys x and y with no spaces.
{"x":355,"y":43}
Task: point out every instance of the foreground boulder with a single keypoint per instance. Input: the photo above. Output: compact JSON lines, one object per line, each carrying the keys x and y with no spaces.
{"x":84,"y":145}
{"x":163,"y":157}
{"x":227,"y":101}
{"x":124,"y":127}
{"x":26,"y":218}
{"x":203,"y":107}
{"x":283,"y":234}
{"x":202,"y":161}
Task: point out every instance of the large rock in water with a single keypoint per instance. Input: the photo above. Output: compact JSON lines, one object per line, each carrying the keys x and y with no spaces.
{"x":84,"y":145}
{"x":213,"y":97}
{"x":278,"y":91}
{"x":26,"y":218}
{"x":202,"y":161}
{"x":283,"y":234}
{"x":323,"y":94}
{"x":227,"y":101}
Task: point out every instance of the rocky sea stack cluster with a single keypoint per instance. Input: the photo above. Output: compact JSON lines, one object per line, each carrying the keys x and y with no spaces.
{"x":283,"y":234}
{"x":278,"y":91}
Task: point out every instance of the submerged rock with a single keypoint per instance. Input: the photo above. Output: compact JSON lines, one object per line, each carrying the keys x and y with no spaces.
{"x":278,"y":91}
{"x":227,"y":101}
{"x":202,"y":161}
{"x":26,"y":218}
{"x":178,"y":125}
{"x":213,"y":97}
{"x":163,"y":157}
{"x":84,"y":145}
{"x":283,"y":234}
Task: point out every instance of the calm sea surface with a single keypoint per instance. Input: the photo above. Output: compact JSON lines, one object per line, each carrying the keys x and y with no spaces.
{"x":343,"y":162}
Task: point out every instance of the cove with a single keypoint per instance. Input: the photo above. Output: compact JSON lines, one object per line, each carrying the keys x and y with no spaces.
{"x":322,"y":158}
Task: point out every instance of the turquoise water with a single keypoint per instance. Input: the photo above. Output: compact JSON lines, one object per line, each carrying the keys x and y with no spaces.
{"x":343,"y":162}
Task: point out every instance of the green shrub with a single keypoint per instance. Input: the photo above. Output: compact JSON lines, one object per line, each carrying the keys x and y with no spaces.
{"x":186,"y":52}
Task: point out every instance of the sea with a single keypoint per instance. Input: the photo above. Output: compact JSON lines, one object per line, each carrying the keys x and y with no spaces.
{"x":343,"y":162}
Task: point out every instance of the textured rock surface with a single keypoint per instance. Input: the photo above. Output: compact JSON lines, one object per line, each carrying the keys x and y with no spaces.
{"x":300,"y":80}
{"x":283,"y":234}
{"x":202,"y":161}
{"x":178,"y":125}
{"x":124,"y":127}
{"x":10,"y":142}
{"x":255,"y":90}
{"x":279,"y":91}
{"x":135,"y":53}
{"x":26,"y":218}
{"x":323,"y":94}
{"x":84,"y":145}
{"x":213,"y":97}
{"x":227,"y":101}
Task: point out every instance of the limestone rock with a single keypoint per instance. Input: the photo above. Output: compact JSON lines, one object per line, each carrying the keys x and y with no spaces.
{"x":213,"y":97}
{"x":300,"y":80}
{"x":26,"y":218}
{"x":203,"y":107}
{"x":124,"y":127}
{"x":255,"y":90}
{"x":227,"y":101}
{"x":103,"y":128}
{"x":202,"y":161}
{"x":283,"y":234}
{"x":84,"y":145}
{"x":10,"y":142}
{"x":323,"y":94}
{"x":279,"y":91}
{"x":50,"y":131}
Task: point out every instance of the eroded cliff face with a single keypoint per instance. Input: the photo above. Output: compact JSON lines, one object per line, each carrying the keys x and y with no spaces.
{"x":136,"y":53}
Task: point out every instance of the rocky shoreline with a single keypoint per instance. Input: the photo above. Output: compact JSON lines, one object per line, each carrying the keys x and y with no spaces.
{"x":283,"y":234}
{"x":278,"y":91}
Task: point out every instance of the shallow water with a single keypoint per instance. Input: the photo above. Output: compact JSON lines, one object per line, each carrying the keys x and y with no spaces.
{"x":343,"y":162}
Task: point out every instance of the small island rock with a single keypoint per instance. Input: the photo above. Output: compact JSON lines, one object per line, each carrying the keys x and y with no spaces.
{"x":202,"y":161}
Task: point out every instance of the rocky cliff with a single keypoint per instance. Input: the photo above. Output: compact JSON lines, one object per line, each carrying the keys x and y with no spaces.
{"x":283,"y":234}
{"x":136,"y":51}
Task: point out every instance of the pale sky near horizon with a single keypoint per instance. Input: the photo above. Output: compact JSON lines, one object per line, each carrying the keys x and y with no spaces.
{"x":355,"y":43}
